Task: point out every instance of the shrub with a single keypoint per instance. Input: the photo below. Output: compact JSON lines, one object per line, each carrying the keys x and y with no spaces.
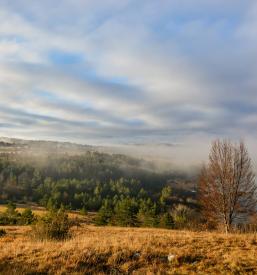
{"x":11,"y":209}
{"x":2,"y":232}
{"x":55,"y":225}
{"x":166,"y":221}
{"x":182,"y":215}
{"x":27,"y":217}
{"x":83,"y":211}
{"x":11,"y":216}
{"x":105,"y":213}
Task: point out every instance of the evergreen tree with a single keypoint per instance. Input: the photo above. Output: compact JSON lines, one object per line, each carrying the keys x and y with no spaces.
{"x":11,"y":209}
{"x":165,"y":195}
{"x":11,"y":214}
{"x":126,"y":212}
{"x":166,"y":221}
{"x":147,"y":214}
{"x":105,"y":213}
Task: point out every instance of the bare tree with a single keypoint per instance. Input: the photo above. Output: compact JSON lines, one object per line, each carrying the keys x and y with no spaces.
{"x":227,"y":185}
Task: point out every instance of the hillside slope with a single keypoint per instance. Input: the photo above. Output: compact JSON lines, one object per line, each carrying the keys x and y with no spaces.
{"x":113,"y":250}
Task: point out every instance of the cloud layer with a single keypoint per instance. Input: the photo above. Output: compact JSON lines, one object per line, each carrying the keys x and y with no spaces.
{"x":128,"y":71}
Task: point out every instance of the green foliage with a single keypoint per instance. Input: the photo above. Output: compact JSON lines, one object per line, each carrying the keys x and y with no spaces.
{"x":85,"y":180}
{"x":11,"y":210}
{"x":83,"y":211}
{"x":165,"y":194}
{"x":55,"y":225}
{"x":126,"y":212}
{"x":118,"y":187}
{"x":105,"y":213}
{"x":166,"y":221}
{"x":142,"y":194}
{"x":51,"y":204}
{"x":27,"y":217}
{"x":181,"y":215}
{"x":147,"y":214}
{"x":11,"y":216}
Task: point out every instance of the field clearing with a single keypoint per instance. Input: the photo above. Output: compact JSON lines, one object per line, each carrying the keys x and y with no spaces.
{"x":40,"y":211}
{"x":37,"y":210}
{"x":114,"y":250}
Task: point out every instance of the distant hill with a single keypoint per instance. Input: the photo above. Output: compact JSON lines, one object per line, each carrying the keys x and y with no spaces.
{"x":39,"y":147}
{"x":80,"y":175}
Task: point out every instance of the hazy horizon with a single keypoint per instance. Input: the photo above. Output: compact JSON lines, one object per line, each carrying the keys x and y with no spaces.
{"x":181,"y":157}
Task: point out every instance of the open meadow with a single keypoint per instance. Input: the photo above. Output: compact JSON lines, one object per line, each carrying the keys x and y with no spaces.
{"x":116,"y":250}
{"x":41,"y":211}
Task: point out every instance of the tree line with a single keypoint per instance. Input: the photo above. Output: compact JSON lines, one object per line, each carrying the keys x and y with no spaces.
{"x":126,"y":193}
{"x":88,"y":182}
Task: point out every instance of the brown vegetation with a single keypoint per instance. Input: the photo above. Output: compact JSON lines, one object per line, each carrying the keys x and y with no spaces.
{"x":39,"y":211}
{"x":114,"y":250}
{"x":227,"y":185}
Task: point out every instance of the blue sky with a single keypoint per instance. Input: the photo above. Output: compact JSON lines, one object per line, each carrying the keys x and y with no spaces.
{"x":109,"y":72}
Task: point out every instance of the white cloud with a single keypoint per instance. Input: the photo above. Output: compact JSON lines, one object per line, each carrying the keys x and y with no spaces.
{"x":146,"y":71}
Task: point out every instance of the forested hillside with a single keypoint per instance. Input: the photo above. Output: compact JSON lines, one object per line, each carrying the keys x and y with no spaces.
{"x":80,"y":181}
{"x":123,"y":190}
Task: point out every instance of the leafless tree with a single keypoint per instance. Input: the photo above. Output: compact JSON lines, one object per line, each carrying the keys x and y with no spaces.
{"x":227,"y":185}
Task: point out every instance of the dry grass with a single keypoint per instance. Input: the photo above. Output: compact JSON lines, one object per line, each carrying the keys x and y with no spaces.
{"x":37,"y":210}
{"x":112,"y":250}
{"x":40,"y":211}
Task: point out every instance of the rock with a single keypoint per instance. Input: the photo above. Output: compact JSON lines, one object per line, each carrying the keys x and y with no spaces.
{"x":136,"y":255}
{"x":171,"y":257}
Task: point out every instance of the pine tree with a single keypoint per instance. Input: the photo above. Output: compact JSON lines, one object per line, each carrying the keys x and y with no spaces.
{"x":147,"y":214}
{"x":105,"y":213}
{"x":126,"y":212}
{"x":165,"y":195}
{"x":166,"y":221}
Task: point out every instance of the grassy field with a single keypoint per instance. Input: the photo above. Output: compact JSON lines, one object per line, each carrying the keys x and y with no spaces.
{"x":20,"y":207}
{"x":113,"y":250}
{"x":40,"y":211}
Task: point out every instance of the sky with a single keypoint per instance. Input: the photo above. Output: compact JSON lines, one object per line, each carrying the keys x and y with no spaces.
{"x":176,"y":72}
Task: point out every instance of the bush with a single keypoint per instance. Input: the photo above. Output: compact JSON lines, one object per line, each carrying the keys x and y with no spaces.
{"x":55,"y":225}
{"x":11,"y":216}
{"x":83,"y":211}
{"x":166,"y":221}
{"x":104,"y":215}
{"x":27,"y":217}
{"x":182,"y":215}
{"x":2,"y":232}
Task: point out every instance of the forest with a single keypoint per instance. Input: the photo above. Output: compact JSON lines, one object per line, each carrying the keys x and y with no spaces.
{"x":124,"y":190}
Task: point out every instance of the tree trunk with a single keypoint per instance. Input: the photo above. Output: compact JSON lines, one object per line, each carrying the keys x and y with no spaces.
{"x":227,"y":228}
